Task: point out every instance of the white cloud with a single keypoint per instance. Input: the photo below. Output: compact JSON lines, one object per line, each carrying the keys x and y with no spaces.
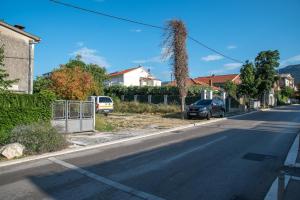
{"x":231,"y":66}
{"x":212,"y":58}
{"x":91,"y":56}
{"x":291,"y":60}
{"x":231,"y":47}
{"x":136,"y":30}
{"x":226,"y":67}
{"x":163,"y":57}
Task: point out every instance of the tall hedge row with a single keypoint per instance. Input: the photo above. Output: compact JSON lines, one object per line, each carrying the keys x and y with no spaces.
{"x":17,"y":109}
{"x":118,"y":90}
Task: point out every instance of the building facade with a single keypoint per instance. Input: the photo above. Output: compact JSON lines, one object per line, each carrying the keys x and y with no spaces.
{"x":286,"y":80}
{"x":137,"y":76}
{"x":18,"y":56}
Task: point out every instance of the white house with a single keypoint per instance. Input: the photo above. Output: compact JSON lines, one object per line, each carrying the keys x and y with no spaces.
{"x":137,"y":76}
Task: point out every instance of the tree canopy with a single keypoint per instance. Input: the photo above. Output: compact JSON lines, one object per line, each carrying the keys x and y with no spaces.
{"x":266,"y":63}
{"x":247,"y":76}
{"x":73,"y":80}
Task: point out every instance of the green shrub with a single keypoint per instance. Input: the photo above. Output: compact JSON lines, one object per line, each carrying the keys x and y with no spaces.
{"x":21,"y":109}
{"x":118,"y":90}
{"x":133,"y":107}
{"x":102,"y":124}
{"x":38,"y":138}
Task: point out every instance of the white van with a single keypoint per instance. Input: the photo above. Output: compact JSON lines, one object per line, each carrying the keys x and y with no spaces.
{"x":104,"y":104}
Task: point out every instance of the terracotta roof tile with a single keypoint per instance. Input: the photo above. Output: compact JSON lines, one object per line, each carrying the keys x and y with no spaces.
{"x":220,"y":78}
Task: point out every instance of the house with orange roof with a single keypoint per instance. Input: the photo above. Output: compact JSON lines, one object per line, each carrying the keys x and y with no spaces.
{"x":193,"y":82}
{"x":137,"y":76}
{"x":219,"y":80}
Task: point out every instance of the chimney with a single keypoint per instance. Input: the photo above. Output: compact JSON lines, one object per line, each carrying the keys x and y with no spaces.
{"x":20,"y":27}
{"x":210,"y":83}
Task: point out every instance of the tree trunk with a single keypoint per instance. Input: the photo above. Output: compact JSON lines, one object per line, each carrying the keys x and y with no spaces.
{"x":182,"y":107}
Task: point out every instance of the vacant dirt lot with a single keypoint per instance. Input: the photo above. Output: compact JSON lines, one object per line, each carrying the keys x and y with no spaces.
{"x":121,"y":121}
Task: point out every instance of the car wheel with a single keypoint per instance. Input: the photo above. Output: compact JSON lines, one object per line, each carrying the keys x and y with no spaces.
{"x":222,"y":114}
{"x":208,"y":116}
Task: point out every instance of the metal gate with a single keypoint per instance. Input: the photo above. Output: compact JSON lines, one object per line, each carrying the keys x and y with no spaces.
{"x":73,"y":116}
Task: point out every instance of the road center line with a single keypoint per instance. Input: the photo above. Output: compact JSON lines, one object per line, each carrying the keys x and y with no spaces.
{"x":106,"y":181}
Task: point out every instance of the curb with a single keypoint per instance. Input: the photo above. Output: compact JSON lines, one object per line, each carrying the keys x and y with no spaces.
{"x":289,"y":160}
{"x":69,"y":151}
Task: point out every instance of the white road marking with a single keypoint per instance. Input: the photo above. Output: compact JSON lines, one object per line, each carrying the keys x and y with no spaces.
{"x":292,"y":155}
{"x":107,"y":181}
{"x":290,"y":160}
{"x":272,"y":194}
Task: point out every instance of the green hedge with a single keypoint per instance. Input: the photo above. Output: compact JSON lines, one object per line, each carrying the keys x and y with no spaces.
{"x":19,"y":109}
{"x":118,"y":90}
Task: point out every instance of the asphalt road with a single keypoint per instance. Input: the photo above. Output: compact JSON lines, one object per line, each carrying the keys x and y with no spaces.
{"x":231,"y":159}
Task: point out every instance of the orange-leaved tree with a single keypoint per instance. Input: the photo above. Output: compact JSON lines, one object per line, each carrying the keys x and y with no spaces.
{"x":72,"y":83}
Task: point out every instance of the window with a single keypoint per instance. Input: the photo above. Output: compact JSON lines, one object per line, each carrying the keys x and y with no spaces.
{"x":104,"y":100}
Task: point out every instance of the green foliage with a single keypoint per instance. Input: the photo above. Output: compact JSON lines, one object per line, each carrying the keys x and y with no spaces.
{"x":281,"y":99}
{"x":4,"y":83}
{"x":18,"y":109}
{"x":266,"y":63}
{"x":118,"y":90}
{"x":287,"y":92}
{"x":102,"y":124}
{"x":41,"y":83}
{"x":38,"y":138}
{"x":230,"y":88}
{"x":99,"y":73}
{"x":247,"y":76}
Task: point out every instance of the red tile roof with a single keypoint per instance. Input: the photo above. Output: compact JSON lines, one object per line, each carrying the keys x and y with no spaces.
{"x":220,"y":78}
{"x":191,"y":82}
{"x":123,"y":71}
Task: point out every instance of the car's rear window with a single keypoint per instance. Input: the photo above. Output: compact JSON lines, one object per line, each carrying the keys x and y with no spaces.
{"x":104,"y":100}
{"x":203,"y":102}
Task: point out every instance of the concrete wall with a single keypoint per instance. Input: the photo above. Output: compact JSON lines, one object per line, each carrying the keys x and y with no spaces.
{"x":17,"y":45}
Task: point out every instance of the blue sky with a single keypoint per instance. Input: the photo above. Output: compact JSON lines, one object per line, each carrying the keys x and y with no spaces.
{"x":237,"y":28}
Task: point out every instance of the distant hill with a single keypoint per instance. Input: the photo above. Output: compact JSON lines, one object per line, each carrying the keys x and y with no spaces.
{"x":292,"y":69}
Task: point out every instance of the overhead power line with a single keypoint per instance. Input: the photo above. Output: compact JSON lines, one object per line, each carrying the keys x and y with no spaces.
{"x":143,"y":24}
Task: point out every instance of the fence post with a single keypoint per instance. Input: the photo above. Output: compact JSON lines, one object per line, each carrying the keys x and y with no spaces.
{"x":149,"y":98}
{"x":210,"y":94}
{"x":67,"y":115}
{"x":135,"y":98}
{"x":122,"y":97}
{"x":281,"y":186}
{"x":94,"y":113}
{"x":203,"y":94}
{"x":80,"y":114}
{"x":166,"y":99}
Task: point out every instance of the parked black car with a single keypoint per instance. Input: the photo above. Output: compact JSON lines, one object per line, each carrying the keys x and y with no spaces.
{"x":206,"y":108}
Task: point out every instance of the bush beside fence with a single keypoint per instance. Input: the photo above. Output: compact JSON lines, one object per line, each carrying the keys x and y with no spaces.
{"x":19,"y":109}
